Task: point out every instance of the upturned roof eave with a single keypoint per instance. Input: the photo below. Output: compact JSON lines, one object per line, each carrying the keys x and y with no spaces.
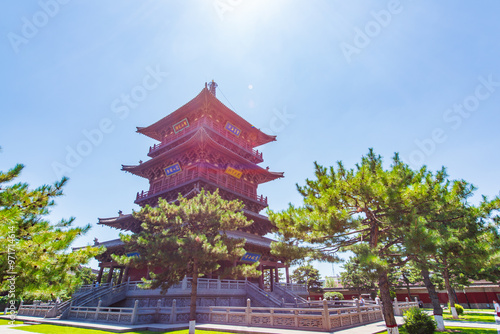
{"x":153,"y":129}
{"x":202,"y":134}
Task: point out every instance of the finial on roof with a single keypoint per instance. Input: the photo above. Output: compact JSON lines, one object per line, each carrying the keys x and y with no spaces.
{"x":212,"y":86}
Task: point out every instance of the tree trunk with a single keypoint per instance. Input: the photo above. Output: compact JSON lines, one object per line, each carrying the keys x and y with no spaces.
{"x":194,"y":292}
{"x":438,"y":311}
{"x":407,"y":282}
{"x":449,"y":290}
{"x":387,"y":309}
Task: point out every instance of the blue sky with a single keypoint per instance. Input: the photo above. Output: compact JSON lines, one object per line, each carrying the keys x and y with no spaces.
{"x":329,"y":78}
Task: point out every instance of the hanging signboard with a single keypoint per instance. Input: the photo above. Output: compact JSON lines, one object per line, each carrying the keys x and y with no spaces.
{"x":133,"y":254}
{"x":231,"y":128}
{"x":234,"y":172}
{"x":179,"y":126}
{"x":250,"y":257}
{"x":172,"y":169}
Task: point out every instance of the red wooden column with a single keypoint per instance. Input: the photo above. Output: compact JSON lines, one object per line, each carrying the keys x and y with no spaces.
{"x":110,"y":274}
{"x":261,"y":278}
{"x":120,"y":276}
{"x":99,"y":277}
{"x":271,"y":279}
{"x":287,"y":275}
{"x":125,"y":275}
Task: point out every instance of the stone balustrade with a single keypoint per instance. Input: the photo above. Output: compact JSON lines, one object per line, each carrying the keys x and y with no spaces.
{"x":401,"y":307}
{"x":137,"y":315}
{"x":205,"y":285}
{"x":320,"y":319}
{"x":36,"y":309}
{"x":294,"y":287}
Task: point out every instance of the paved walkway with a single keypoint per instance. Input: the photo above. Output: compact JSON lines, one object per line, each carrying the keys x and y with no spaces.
{"x":372,"y":328}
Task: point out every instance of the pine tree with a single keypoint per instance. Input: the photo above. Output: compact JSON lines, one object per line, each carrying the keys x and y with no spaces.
{"x":407,"y":275}
{"x":188,"y":238}
{"x":357,"y":276}
{"x":307,"y":274}
{"x":36,"y":262}
{"x":463,"y":236}
{"x":372,"y":211}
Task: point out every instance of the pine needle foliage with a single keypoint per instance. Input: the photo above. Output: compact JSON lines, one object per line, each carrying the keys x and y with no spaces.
{"x":36,"y":261}
{"x":188,"y":238}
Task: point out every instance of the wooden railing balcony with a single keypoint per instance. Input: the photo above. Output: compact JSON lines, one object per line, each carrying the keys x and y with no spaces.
{"x":180,"y":179}
{"x":217,"y":127}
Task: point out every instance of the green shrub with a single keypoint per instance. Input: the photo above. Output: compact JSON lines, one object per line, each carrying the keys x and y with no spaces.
{"x":418,"y":322}
{"x":330,"y":295}
{"x":458,"y":307}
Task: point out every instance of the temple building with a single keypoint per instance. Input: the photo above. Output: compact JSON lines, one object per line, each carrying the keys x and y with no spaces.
{"x":202,"y":145}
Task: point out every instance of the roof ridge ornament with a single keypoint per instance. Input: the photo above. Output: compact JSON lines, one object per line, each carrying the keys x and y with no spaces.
{"x":212,"y":86}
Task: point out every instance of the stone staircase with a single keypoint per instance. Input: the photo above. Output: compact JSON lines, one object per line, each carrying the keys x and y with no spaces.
{"x":55,"y":310}
{"x":261,"y":297}
{"x":107,"y":294}
{"x":288,"y":298}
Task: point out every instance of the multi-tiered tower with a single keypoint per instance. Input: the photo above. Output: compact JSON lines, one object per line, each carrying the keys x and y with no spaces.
{"x":203,"y":145}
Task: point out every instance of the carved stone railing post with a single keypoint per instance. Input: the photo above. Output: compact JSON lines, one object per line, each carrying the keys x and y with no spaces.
{"x":157,"y":311}
{"x":173,"y":312}
{"x":396,"y":307}
{"x":248,"y":313}
{"x":326,"y":316}
{"x":359,"y":310}
{"x":184,"y":283}
{"x":135,"y":313}
{"x":96,"y":316}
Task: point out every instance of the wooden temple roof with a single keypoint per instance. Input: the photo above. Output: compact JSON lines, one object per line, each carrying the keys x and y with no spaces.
{"x":203,"y":136}
{"x":204,"y":99}
{"x":251,"y":239}
{"x":127,"y":222}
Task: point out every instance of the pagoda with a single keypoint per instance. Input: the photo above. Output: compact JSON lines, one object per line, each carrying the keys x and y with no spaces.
{"x":202,"y":145}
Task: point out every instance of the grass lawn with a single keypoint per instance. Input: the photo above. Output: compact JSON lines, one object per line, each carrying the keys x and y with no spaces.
{"x":468,"y":310}
{"x":470,"y":316}
{"x":480,"y":310}
{"x":6,"y":322}
{"x":54,"y":329}
{"x":458,"y":330}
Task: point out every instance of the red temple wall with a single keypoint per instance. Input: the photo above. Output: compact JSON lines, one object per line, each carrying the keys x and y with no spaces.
{"x":472,"y":295}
